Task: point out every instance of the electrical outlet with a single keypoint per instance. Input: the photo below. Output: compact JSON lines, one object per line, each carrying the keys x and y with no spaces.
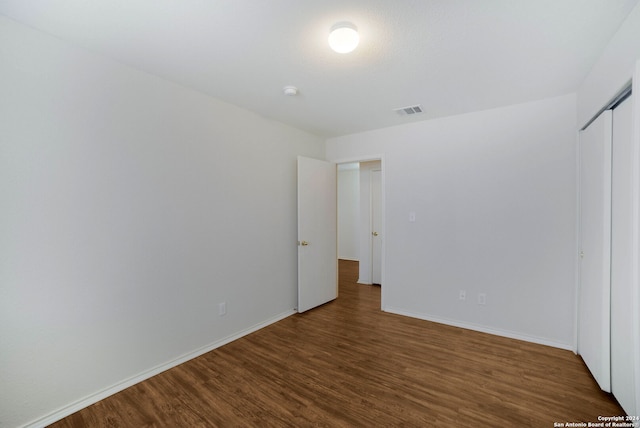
{"x":222,"y":309}
{"x":482,"y":299}
{"x":462,"y":295}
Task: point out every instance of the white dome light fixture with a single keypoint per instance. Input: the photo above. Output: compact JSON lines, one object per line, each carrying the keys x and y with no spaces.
{"x":343,"y":37}
{"x":290,"y":91}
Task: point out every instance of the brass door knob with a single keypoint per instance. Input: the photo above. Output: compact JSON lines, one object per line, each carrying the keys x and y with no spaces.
{"x":304,"y":243}
{"x":374,"y":233}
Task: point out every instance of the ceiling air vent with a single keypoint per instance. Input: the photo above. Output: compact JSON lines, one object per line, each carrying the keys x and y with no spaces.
{"x":408,"y":111}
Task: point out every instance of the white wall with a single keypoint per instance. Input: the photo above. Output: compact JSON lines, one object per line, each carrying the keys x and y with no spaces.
{"x":494,"y":194}
{"x":348,"y":211}
{"x":130,"y":208}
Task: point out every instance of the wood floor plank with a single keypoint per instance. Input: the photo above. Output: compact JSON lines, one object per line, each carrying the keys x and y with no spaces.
{"x":348,"y":364}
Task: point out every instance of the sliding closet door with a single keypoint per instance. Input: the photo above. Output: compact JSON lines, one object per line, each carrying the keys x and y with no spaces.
{"x":622,"y":352}
{"x":595,"y":249}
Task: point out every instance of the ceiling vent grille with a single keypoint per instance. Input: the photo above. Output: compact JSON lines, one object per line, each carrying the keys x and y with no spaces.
{"x":408,"y":111}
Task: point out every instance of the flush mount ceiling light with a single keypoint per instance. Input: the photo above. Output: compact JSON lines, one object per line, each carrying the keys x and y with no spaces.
{"x":290,"y":91}
{"x":343,"y":37}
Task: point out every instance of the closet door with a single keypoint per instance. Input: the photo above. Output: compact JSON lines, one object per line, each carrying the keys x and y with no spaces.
{"x":595,"y":249}
{"x":622,"y":362}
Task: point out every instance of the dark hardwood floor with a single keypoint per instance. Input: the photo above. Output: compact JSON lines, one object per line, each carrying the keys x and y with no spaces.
{"x":347,"y":364}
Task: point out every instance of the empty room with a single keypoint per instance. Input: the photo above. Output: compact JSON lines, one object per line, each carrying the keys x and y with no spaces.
{"x":319,"y":213}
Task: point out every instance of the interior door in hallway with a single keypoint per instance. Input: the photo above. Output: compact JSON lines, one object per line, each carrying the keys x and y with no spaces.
{"x":376,"y":227}
{"x":595,"y":249}
{"x":317,"y":233}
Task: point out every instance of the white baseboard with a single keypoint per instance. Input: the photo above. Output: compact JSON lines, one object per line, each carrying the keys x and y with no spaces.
{"x":483,"y":329}
{"x":101,"y":395}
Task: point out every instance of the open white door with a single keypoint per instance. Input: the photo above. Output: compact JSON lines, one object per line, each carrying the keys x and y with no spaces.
{"x":317,"y":233}
{"x":594,"y":341}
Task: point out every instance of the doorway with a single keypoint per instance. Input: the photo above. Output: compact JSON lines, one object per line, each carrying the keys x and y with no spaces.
{"x":361,"y":218}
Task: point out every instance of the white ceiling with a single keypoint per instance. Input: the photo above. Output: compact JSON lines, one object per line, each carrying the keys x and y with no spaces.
{"x":451,"y":56}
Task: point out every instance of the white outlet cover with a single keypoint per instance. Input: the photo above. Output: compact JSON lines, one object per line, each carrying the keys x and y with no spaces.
{"x":412,"y":216}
